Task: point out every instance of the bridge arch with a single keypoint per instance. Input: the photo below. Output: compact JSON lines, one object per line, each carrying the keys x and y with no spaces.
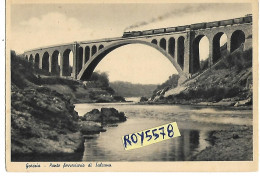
{"x":237,"y":38}
{"x":93,"y":50}
{"x":100,"y":47}
{"x":163,"y":43}
{"x":45,"y":61}
{"x":26,"y":57}
{"x":67,"y":60}
{"x":55,"y":68}
{"x":171,"y":46}
{"x":31,"y":58}
{"x":217,"y":48}
{"x":37,"y":60}
{"x":154,"y":41}
{"x":89,"y":67}
{"x":80,"y":59}
{"x":180,"y":51}
{"x":87,"y":53}
{"x":197,"y":63}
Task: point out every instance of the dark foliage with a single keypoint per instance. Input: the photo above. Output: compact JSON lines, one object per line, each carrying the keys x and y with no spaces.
{"x":170,"y":83}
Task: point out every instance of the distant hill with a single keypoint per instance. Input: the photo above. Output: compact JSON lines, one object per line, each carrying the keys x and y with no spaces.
{"x":127,"y":89}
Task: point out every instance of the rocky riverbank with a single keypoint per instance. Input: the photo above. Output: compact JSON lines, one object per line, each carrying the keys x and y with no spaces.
{"x":235,"y":144}
{"x":44,"y":124}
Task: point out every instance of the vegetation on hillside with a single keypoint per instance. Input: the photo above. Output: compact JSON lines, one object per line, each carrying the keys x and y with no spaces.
{"x":96,"y":89}
{"x":170,"y":83}
{"x":127,"y":89}
{"x":44,"y":124}
{"x":229,"y":80}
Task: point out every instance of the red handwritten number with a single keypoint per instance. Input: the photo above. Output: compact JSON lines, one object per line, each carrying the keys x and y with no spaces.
{"x":170,"y":130}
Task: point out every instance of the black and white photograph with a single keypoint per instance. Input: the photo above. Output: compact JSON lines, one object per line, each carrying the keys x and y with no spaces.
{"x":92,"y":86}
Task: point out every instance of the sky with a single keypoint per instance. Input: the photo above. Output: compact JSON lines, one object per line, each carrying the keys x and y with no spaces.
{"x":37,"y":25}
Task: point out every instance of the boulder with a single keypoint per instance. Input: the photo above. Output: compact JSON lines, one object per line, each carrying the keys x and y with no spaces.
{"x":106,"y":115}
{"x":244,"y":102}
{"x":94,"y":115}
{"x":90,"y":127}
{"x":143,"y":99}
{"x":111,"y":115}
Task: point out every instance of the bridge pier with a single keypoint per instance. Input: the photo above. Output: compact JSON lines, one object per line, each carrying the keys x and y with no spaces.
{"x":186,"y":64}
{"x":50,"y":64}
{"x":40,"y":61}
{"x":84,"y":56}
{"x":61,"y":64}
{"x":211,"y":47}
{"x":75,"y":54}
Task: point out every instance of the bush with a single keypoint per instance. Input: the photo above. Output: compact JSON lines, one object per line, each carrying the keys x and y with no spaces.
{"x":171,"y":82}
{"x":101,"y":79}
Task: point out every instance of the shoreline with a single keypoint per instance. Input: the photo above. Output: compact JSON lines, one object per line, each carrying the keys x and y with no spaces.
{"x":246,"y":107}
{"x":234,"y":144}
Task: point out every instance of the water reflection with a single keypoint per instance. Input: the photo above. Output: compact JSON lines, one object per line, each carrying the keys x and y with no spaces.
{"x":195,"y":125}
{"x":178,"y":149}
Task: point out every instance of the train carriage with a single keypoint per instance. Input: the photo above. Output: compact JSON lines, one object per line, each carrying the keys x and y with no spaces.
{"x":158,"y":31}
{"x":238,"y":20}
{"x":248,"y":19}
{"x":198,"y":26}
{"x":212,"y":24}
{"x":226,"y":22}
{"x":147,"y":32}
{"x":182,"y":28}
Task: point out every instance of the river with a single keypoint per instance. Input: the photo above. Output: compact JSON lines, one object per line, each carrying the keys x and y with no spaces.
{"x":195,"y":125}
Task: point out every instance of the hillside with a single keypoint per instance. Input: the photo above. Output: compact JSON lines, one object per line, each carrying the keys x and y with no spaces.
{"x":43,"y":120}
{"x":228,"y":82}
{"x":127,"y":89}
{"x":95,"y":90}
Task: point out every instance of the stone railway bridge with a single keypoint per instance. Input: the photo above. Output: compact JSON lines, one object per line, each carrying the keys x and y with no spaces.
{"x":179,"y":44}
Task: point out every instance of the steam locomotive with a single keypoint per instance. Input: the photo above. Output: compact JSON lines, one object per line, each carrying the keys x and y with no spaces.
{"x":246,"y":19}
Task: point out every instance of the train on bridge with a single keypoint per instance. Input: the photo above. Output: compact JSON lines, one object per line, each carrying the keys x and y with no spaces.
{"x":245,"y":19}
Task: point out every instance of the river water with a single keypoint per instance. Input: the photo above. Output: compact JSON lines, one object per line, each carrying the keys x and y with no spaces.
{"x":195,"y":125}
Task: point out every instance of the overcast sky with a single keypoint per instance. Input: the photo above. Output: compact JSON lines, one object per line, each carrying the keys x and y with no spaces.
{"x":36,"y":25}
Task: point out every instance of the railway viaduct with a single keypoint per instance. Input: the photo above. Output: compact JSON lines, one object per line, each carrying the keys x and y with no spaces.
{"x":181,"y":47}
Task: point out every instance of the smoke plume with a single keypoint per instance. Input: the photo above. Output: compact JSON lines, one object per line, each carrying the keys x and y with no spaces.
{"x":178,"y":12}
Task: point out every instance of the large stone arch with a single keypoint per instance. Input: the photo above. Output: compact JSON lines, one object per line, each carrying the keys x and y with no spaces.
{"x":100,"y":47}
{"x":37,"y":60}
{"x":87,"y":53}
{"x":67,"y":68}
{"x":237,"y":38}
{"x":163,"y":43}
{"x":55,"y":68}
{"x":80,"y":58}
{"x":89,"y":67}
{"x":180,"y":51}
{"x":93,"y":50}
{"x":31,"y":58}
{"x":45,"y":61}
{"x":154,"y":41}
{"x":171,"y":46}
{"x":196,"y":53}
{"x":216,"y":52}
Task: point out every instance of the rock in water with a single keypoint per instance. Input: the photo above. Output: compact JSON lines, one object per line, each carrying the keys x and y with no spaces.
{"x":106,"y":115}
{"x":94,"y":115}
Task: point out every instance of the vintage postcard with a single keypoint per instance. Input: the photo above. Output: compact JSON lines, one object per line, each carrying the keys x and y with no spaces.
{"x":131,"y":86}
